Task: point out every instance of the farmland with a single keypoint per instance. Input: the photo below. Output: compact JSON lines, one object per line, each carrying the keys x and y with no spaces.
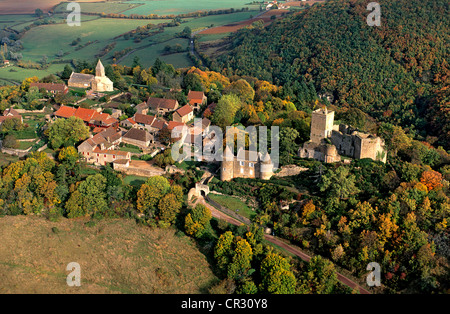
{"x":54,"y":40}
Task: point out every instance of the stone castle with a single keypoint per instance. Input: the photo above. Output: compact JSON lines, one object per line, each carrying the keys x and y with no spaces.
{"x":242,"y":166}
{"x":328,"y":141}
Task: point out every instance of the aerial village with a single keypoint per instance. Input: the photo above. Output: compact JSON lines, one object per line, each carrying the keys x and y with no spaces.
{"x":159,"y":122}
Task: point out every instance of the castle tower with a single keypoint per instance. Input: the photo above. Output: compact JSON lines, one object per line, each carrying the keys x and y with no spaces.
{"x":321,"y":124}
{"x":227,"y":169}
{"x":100,"y":69}
{"x":266,"y":167}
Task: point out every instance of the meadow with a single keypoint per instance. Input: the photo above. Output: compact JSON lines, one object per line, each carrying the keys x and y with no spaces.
{"x":115,"y":256}
{"x":175,"y":7}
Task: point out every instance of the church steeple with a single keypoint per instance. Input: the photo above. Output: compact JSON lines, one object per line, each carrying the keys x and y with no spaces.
{"x":100,"y":69}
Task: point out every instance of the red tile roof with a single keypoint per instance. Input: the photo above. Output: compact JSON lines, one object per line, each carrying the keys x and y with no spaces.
{"x":85,"y":114}
{"x":195,"y":96}
{"x":144,"y":119}
{"x":65,"y":112}
{"x":184,"y":111}
{"x":173,"y":124}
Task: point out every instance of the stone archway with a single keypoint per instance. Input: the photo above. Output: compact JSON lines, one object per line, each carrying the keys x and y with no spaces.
{"x":199,"y":190}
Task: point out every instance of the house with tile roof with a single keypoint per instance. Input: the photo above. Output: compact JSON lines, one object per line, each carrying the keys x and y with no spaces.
{"x":52,"y":87}
{"x":197,"y":99}
{"x":100,"y":148}
{"x":162,"y":105}
{"x":184,"y":114}
{"x":90,"y":117}
{"x":138,"y":137}
{"x":10,"y":114}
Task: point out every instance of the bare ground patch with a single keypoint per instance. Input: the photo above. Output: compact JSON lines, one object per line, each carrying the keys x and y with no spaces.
{"x":116,"y":256}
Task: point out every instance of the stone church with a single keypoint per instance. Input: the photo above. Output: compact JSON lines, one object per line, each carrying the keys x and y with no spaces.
{"x":328,"y":141}
{"x":98,"y":83}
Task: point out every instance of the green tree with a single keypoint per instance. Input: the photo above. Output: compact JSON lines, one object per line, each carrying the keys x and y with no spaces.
{"x":225,"y":111}
{"x":223,"y":250}
{"x":148,"y":197}
{"x":10,"y":141}
{"x":67,"y":132}
{"x":276,"y":276}
{"x":159,"y":182}
{"x":242,"y":89}
{"x":339,"y":183}
{"x":319,"y":278}
{"x":197,"y":222}
{"x":241,"y":261}
{"x":168,"y":208}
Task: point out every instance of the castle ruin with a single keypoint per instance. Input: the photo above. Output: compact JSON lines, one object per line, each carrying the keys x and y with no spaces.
{"x":328,"y":141}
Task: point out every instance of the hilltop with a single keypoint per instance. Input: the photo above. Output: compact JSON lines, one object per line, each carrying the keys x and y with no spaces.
{"x":392,"y":72}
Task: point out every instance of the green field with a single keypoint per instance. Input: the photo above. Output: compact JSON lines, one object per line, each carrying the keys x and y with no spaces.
{"x":19,"y":74}
{"x":96,"y":33}
{"x":112,"y":7}
{"x":234,"y":204}
{"x":134,"y":180}
{"x":175,"y":7}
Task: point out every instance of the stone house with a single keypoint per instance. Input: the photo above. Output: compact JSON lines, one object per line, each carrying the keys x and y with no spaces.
{"x":184,"y":114}
{"x":162,"y":106}
{"x":197,"y":99}
{"x":52,"y":88}
{"x":9,"y":114}
{"x":127,"y":123}
{"x":100,"y":148}
{"x":138,"y":137}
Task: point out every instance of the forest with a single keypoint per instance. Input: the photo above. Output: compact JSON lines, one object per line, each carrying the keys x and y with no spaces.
{"x":397,"y":73}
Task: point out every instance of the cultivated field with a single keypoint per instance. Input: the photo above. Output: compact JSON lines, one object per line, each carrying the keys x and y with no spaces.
{"x":116,"y":256}
{"x":175,"y":7}
{"x":265,"y":17}
{"x":29,"y":6}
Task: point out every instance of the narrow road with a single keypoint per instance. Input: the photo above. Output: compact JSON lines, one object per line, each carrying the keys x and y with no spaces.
{"x":288,"y":247}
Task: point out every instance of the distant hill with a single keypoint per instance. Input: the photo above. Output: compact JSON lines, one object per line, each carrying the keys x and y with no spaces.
{"x":397,"y":72}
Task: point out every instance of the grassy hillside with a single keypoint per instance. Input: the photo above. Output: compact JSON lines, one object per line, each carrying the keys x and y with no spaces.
{"x":116,"y":256}
{"x":389,"y":72}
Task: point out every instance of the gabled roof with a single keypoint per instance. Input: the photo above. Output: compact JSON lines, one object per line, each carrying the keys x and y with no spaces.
{"x":184,"y":111}
{"x":193,"y":95}
{"x":80,"y":78}
{"x":11,"y":112}
{"x":65,"y":112}
{"x":85,"y":114}
{"x":159,"y":124}
{"x":131,"y":121}
{"x":138,"y":135}
{"x":144,"y":119}
{"x":50,"y":86}
{"x":174,"y":124}
{"x":156,"y":103}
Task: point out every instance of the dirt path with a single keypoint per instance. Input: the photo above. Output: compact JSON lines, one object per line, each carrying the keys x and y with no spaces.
{"x":288,"y":247}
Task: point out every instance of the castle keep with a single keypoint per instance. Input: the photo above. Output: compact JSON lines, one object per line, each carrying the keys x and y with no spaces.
{"x":328,"y":141}
{"x":242,"y":166}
